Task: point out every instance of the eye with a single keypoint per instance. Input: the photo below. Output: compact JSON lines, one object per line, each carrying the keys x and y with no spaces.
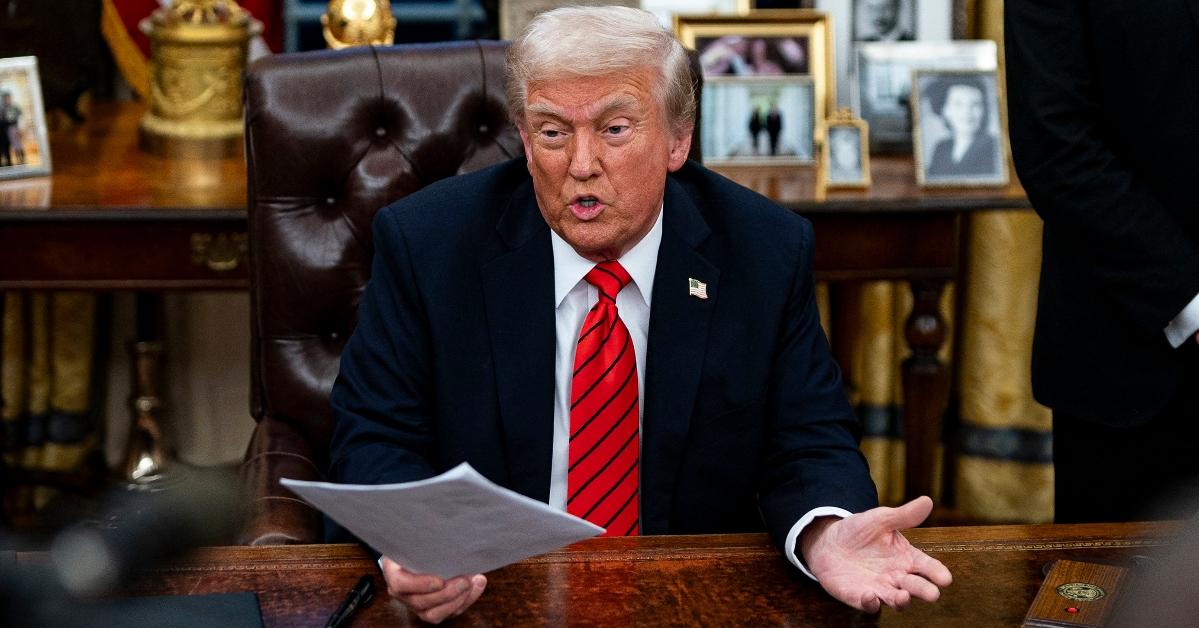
{"x":616,"y":129}
{"x":550,"y":133}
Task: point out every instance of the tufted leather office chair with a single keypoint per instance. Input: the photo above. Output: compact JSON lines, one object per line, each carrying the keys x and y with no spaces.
{"x":331,"y":137}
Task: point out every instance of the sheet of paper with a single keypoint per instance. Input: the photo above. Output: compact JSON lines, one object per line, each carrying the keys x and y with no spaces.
{"x":456,"y":523}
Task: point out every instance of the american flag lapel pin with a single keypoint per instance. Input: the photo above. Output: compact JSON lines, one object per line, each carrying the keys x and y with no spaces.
{"x":697,"y":288}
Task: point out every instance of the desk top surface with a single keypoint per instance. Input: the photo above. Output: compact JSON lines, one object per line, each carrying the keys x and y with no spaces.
{"x":99,"y":170}
{"x":696,"y":580}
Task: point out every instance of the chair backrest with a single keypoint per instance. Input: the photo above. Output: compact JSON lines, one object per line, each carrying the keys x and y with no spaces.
{"x":331,"y":137}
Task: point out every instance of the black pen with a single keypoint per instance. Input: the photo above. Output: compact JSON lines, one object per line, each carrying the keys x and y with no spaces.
{"x":359,"y":596}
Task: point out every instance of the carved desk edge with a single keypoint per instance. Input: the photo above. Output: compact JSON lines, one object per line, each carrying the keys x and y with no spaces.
{"x":1041,"y":537}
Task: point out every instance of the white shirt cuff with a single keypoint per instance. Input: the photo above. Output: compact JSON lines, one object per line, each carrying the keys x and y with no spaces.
{"x":797,"y":529}
{"x":1184,"y":325}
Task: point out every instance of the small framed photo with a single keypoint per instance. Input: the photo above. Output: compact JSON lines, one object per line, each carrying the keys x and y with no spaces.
{"x":755,"y":121}
{"x":24,"y":149}
{"x":883,"y":82}
{"x":846,"y":154}
{"x":765,"y":43}
{"x":958,"y":132}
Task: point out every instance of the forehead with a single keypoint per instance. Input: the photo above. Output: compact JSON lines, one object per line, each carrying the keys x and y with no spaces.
{"x":964,"y":91}
{"x":574,"y":95}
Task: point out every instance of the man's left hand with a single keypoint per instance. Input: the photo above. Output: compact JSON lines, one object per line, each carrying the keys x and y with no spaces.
{"x":864,"y":560}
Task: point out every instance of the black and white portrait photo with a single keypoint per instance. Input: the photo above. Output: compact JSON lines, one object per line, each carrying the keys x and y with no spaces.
{"x":884,"y":20}
{"x":883,"y":82}
{"x":846,"y":161}
{"x":758,"y":120}
{"x":958,"y":135}
{"x":24,"y":150}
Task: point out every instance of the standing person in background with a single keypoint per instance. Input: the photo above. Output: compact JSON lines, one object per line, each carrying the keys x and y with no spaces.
{"x":1102,"y":100}
{"x":9,"y":114}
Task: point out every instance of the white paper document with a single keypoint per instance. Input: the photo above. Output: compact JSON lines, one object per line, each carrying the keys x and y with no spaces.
{"x":456,"y":523}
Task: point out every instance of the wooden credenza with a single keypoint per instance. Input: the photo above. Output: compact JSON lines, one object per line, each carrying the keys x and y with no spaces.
{"x":114,"y":218}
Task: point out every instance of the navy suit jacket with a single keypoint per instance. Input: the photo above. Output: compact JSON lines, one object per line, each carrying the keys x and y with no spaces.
{"x":744,"y":417}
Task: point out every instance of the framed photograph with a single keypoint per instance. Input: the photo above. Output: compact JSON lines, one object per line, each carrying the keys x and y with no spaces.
{"x":856,"y":21}
{"x":24,"y":149}
{"x":883,"y":82}
{"x":764,"y":43}
{"x":959,"y":128}
{"x":846,"y":154}
{"x":754,"y":121}
{"x":667,"y":9}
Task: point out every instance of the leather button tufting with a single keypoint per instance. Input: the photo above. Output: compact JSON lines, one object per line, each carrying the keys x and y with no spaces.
{"x":483,"y":128}
{"x":380,"y":132}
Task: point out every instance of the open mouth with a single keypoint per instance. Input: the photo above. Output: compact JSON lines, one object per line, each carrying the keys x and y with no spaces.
{"x":586,"y":207}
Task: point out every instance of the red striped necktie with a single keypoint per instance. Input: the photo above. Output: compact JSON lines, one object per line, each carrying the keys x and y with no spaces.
{"x":603,"y":481}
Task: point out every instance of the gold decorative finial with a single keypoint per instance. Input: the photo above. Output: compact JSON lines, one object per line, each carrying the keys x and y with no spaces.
{"x":358,"y":23}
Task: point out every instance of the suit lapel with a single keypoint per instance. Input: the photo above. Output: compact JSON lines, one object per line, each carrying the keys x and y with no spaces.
{"x":518,"y":291}
{"x":1193,"y":5}
{"x":678,"y":337}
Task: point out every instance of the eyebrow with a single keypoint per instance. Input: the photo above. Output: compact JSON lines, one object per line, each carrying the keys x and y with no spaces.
{"x":622,"y":101}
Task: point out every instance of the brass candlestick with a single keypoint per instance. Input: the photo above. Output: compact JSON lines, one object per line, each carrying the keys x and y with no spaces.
{"x":145,"y":460}
{"x":197,"y":56}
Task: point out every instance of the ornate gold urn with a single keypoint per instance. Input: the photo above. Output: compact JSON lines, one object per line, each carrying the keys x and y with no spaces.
{"x":358,"y":23}
{"x":197,"y":55}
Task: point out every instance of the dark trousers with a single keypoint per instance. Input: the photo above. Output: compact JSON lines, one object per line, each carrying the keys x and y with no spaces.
{"x":1143,"y":472}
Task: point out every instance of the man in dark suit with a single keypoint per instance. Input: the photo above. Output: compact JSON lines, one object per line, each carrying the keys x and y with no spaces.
{"x":507,"y":323}
{"x":1102,"y":100}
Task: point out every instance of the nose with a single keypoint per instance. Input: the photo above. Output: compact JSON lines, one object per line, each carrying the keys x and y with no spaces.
{"x":584,"y":156}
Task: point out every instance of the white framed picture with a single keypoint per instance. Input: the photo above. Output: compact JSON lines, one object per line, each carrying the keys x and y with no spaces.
{"x":882,"y":20}
{"x":24,"y":147}
{"x":883,"y":82}
{"x":665,"y":10}
{"x":959,"y":128}
{"x":758,"y":120}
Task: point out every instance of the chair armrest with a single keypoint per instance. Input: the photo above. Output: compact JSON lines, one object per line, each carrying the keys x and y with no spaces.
{"x":275,"y":516}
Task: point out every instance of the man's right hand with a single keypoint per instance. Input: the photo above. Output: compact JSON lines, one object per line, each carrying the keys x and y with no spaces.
{"x":429,"y":597}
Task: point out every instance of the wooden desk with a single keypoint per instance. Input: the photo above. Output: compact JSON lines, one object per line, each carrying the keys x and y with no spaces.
{"x":698,"y":580}
{"x":113,"y":217}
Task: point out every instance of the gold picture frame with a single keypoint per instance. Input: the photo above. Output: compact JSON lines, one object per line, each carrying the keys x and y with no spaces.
{"x":780,"y":29}
{"x":940,"y":159}
{"x":840,"y":170}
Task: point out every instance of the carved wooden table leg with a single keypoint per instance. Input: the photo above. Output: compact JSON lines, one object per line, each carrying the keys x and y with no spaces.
{"x":925,"y":387}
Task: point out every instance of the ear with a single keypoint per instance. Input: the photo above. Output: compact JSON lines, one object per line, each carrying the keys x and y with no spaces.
{"x":680,"y":147}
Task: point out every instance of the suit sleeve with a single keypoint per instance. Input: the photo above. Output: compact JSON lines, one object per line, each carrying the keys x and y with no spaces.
{"x":811,"y":457}
{"x":383,"y":396}
{"x":1129,"y":243}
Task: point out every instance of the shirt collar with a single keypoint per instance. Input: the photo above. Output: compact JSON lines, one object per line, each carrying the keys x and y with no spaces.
{"x":641,"y":262}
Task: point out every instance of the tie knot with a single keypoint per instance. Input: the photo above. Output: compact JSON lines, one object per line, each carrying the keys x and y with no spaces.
{"x":609,"y":277}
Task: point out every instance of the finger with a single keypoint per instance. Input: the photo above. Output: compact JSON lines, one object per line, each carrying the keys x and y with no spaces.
{"x":897,"y":599}
{"x":478,"y":584}
{"x":869,"y":602}
{"x":910,"y":514}
{"x":932,"y":569}
{"x":440,"y":613}
{"x":401,"y":582}
{"x":454,"y":590}
{"x":918,"y":587}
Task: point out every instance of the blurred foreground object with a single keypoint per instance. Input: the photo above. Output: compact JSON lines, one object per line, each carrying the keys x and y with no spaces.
{"x":197,"y":56}
{"x":358,"y":23}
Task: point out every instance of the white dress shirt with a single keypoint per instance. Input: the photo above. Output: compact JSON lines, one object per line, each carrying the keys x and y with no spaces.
{"x":574,"y":297}
{"x":1184,"y":326}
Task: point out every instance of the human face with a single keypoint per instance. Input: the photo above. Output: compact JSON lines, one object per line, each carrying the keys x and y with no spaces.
{"x":599,"y":149}
{"x":963,"y":109}
{"x":884,"y":14}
